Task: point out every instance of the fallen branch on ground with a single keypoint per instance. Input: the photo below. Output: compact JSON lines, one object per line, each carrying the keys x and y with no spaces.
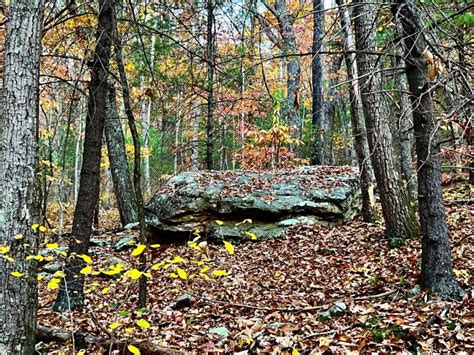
{"x":85,"y":340}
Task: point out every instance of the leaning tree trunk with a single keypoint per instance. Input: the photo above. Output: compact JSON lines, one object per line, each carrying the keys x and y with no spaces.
{"x":357,"y":117}
{"x":19,"y":205}
{"x":317,"y":156}
{"x":71,"y":293}
{"x":436,"y":265}
{"x":400,"y":220}
{"x":123,"y":187}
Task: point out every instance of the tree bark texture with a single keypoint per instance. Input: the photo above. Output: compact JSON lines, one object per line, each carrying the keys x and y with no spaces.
{"x":293,"y":66}
{"x":19,"y":203}
{"x":361,"y":145}
{"x":123,"y":187}
{"x":210,"y":43}
{"x":136,"y":155}
{"x":286,"y":41}
{"x":317,"y":157}
{"x":71,"y":293}
{"x":436,"y":265}
{"x":400,"y":221}
{"x":405,"y":127}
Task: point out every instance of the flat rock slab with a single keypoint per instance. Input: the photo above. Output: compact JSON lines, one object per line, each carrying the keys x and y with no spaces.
{"x":273,"y":201}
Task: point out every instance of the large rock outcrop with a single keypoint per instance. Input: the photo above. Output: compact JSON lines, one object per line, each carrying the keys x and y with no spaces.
{"x":272,"y":200}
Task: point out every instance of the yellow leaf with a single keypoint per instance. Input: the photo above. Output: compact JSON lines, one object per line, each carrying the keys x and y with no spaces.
{"x":247,"y":220}
{"x":138,"y":250}
{"x":154,"y":246}
{"x":42,"y":229}
{"x":17,"y":274}
{"x":295,"y":352}
{"x":129,"y":330}
{"x":59,"y":274}
{"x":52,"y":246}
{"x":134,"y":274}
{"x":81,"y":352}
{"x":134,"y":350}
{"x":54,"y":283}
{"x":114,"y":270}
{"x":323,"y":341}
{"x":114,"y":325}
{"x":181,"y":273}
{"x":157,"y":265}
{"x":178,"y":259}
{"x":219,"y":272}
{"x":9,"y":258}
{"x":87,"y":270}
{"x":86,"y":258}
{"x":194,"y":246}
{"x":204,"y":276}
{"x":4,"y":249}
{"x":204,"y":269}
{"x":36,"y":257}
{"x":229,"y":247}
{"x":143,"y":323}
{"x":105,"y":290}
{"x":39,"y":277}
{"x":19,"y":236}
{"x":35,"y":226}
{"x":219,"y":222}
{"x":173,"y":275}
{"x":147,"y":274}
{"x":253,"y":237}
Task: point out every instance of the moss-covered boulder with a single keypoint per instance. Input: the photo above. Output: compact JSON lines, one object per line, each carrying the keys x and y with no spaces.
{"x":273,"y":201}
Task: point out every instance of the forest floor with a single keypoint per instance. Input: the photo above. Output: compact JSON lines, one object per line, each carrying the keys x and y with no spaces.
{"x":321,"y":289}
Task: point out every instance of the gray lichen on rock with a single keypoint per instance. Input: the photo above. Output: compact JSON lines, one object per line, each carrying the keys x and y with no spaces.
{"x":273,"y":200}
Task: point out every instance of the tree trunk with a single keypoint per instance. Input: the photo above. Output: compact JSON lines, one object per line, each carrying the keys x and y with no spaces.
{"x":330,"y":106}
{"x":400,"y":221}
{"x":357,"y":118}
{"x":71,"y":293}
{"x":293,"y":67}
{"x":118,"y":161}
{"x":146,"y":118}
{"x":210,"y":85}
{"x":19,"y":203}
{"x":317,"y":157}
{"x":136,"y":155}
{"x":436,"y":265}
{"x":405,"y":125}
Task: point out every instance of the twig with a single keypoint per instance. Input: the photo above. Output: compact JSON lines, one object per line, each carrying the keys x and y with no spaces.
{"x":297,"y":310}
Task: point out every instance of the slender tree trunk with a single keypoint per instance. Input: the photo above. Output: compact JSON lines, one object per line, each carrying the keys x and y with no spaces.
{"x":317,"y":157}
{"x":136,"y":156}
{"x":400,"y":221}
{"x":357,"y":117}
{"x":210,"y":84}
{"x":19,"y":203}
{"x":78,"y":158}
{"x":293,"y":68}
{"x":177,"y":132}
{"x":146,"y":118}
{"x":436,"y":265}
{"x":405,"y":131}
{"x":71,"y":293}
{"x":123,"y":188}
{"x":330,"y":106}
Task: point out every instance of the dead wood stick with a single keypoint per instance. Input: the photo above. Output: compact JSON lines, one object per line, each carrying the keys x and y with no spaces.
{"x":297,"y":310}
{"x":57,"y":335}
